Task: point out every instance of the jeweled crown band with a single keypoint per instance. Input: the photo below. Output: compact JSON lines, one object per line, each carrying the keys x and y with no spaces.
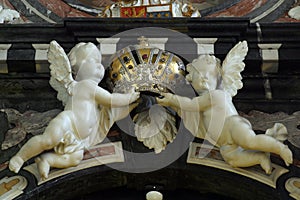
{"x":146,"y":69}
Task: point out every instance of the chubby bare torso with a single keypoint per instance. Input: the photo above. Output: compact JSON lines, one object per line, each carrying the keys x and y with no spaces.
{"x":85,"y":110}
{"x":216,"y":115}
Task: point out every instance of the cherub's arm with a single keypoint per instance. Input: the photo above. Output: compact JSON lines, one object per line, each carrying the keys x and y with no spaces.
{"x":105,"y":98}
{"x":199,"y":103}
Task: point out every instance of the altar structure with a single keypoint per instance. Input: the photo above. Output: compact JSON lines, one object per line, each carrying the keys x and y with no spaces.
{"x":125,"y":164}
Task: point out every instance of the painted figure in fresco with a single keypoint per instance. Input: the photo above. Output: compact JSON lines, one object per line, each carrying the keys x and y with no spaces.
{"x":89,"y":110}
{"x":212,"y":115}
{"x":151,"y":9}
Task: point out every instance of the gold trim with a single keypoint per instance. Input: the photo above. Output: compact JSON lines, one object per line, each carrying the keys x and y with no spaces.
{"x":159,"y":70}
{"x":12,"y":187}
{"x":292,"y":185}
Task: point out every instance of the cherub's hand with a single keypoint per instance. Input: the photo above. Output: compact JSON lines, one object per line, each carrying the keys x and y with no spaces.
{"x":165,"y":100}
{"x":122,"y":112}
{"x":133,"y":95}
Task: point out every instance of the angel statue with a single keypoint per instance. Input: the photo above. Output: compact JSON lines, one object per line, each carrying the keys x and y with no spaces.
{"x":89,"y":110}
{"x":213,"y":117}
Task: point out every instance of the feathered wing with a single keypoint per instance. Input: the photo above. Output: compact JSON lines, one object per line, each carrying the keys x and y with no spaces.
{"x":232,"y":67}
{"x":61,"y":72}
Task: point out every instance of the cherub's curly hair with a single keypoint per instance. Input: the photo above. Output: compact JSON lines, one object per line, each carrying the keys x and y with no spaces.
{"x":73,"y":56}
{"x":205,"y":61}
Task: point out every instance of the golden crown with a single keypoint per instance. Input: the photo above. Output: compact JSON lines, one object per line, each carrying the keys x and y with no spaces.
{"x":146,"y":68}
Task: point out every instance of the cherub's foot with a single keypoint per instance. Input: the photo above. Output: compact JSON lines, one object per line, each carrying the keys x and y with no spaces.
{"x":266,"y":163}
{"x":15,"y":164}
{"x":43,"y":167}
{"x":286,"y":155}
{"x":278,"y":131}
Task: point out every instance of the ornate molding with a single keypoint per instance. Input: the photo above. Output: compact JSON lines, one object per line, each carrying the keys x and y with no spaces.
{"x":12,"y":187}
{"x":97,"y":155}
{"x":214,"y":159}
{"x":293,"y":186}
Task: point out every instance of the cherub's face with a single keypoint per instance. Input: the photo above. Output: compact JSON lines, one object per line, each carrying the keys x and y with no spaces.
{"x":203,"y":73}
{"x":94,"y":69}
{"x":89,"y":63}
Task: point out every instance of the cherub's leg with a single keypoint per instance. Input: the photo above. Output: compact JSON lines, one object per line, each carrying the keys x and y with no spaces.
{"x":51,"y":159}
{"x":239,"y":157}
{"x":37,"y":144}
{"x":243,"y":135}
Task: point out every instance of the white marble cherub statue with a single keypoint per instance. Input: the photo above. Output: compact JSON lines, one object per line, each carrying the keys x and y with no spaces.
{"x":89,"y":109}
{"x":212,"y":115}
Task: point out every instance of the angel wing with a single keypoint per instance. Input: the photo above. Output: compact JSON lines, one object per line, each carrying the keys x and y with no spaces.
{"x":61,"y":72}
{"x":232,"y":67}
